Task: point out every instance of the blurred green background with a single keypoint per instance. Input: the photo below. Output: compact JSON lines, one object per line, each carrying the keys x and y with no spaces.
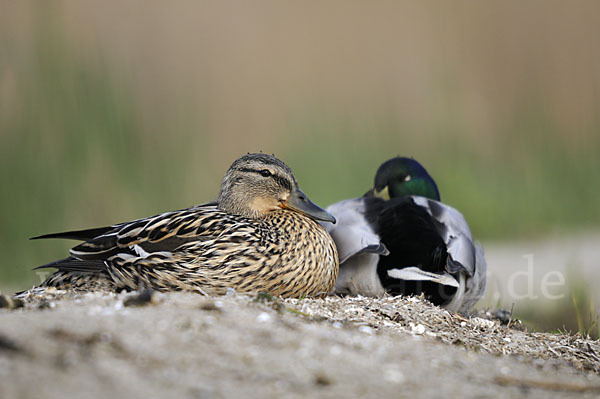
{"x":111,"y":111}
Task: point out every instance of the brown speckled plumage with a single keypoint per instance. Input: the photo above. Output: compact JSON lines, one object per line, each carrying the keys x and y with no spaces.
{"x":249,"y":247}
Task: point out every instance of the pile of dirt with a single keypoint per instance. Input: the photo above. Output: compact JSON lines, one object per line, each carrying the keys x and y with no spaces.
{"x":55,"y":343}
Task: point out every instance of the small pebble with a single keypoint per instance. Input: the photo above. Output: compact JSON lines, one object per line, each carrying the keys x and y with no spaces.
{"x":483,"y":324}
{"x":211,"y":306}
{"x":322,"y":379}
{"x":8,"y":345}
{"x":419,"y":329}
{"x":141,"y":299}
{"x":263,"y":317}
{"x":366,"y":330}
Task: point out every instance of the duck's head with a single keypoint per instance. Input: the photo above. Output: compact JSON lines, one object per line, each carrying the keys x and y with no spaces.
{"x":257,"y":184}
{"x":401,"y":176}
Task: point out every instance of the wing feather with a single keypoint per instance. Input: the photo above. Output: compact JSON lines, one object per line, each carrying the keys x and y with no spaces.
{"x":353,"y":234}
{"x":140,"y":238}
{"x":455,"y":232}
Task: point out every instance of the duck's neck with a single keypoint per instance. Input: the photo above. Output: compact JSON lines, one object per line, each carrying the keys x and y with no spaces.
{"x":244,"y":211}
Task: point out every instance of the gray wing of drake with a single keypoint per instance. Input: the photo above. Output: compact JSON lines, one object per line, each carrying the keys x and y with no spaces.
{"x":359,"y":249}
{"x":475,"y":286}
{"x":455,"y":232}
{"x":352,"y":233}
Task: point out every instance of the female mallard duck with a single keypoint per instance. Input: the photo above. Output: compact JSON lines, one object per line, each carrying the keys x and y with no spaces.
{"x":260,"y":235}
{"x":399,"y":238}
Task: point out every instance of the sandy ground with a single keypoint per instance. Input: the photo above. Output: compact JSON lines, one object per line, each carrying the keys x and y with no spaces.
{"x":185,"y":345}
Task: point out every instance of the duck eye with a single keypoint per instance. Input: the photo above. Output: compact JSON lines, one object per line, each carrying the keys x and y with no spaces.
{"x":265,"y":173}
{"x":407,"y":178}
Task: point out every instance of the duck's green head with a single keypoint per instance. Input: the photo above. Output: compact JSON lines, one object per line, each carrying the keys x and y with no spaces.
{"x":403,"y":176}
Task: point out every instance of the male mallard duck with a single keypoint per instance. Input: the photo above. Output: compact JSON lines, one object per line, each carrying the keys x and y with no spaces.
{"x":260,"y":235}
{"x":399,"y":238}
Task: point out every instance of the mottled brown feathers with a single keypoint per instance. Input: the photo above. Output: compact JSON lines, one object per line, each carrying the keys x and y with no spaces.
{"x":210,"y":249}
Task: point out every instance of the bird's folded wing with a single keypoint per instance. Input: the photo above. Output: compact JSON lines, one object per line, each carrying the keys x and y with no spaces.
{"x":445,"y":214}
{"x":161,"y":233}
{"x":455,"y":232}
{"x":476,"y":285}
{"x":352,"y":233}
{"x":462,"y":253}
{"x":158,"y":234}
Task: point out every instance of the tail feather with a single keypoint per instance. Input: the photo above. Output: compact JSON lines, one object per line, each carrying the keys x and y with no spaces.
{"x":72,"y":264}
{"x":81,"y":235}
